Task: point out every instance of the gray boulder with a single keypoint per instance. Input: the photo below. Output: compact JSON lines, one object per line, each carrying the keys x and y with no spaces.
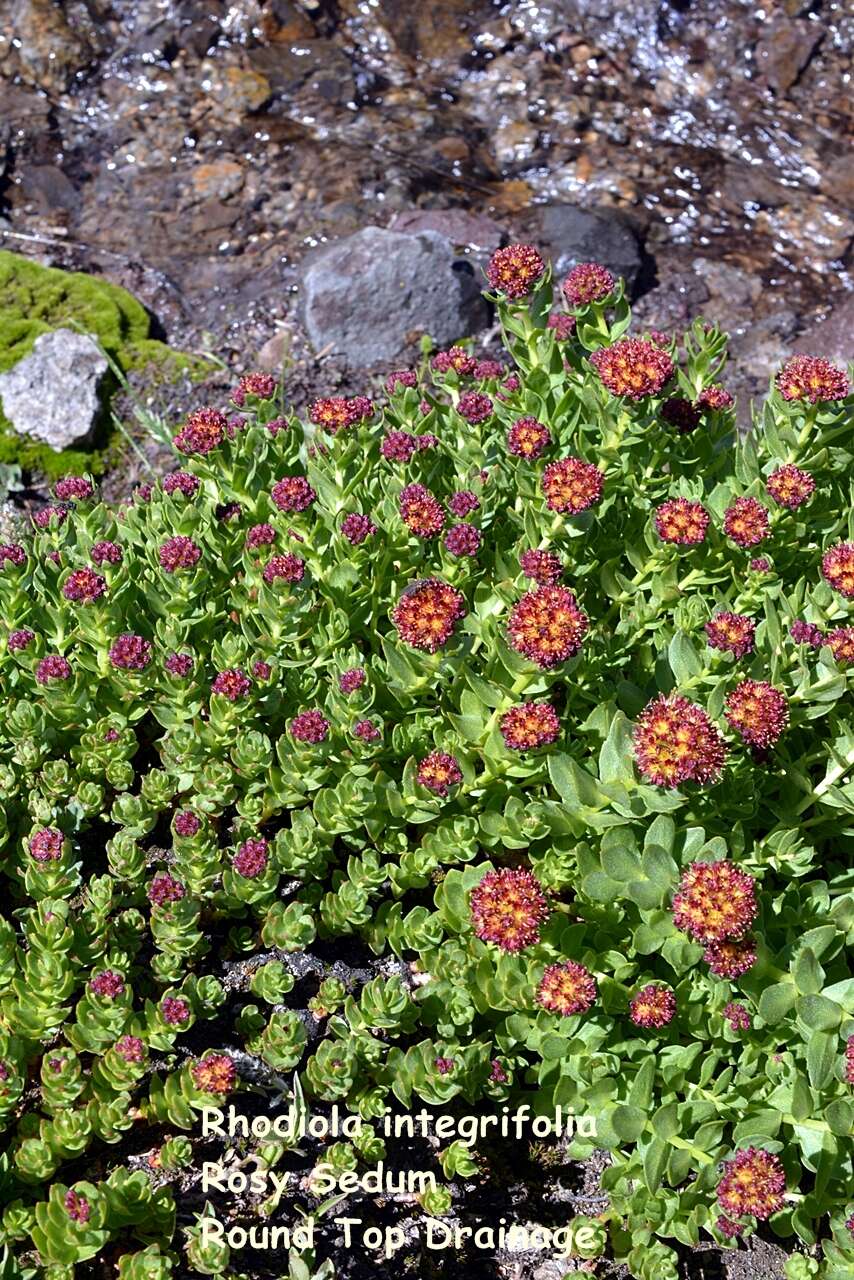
{"x":52,"y":394}
{"x":569,"y":235}
{"x":369,"y":295}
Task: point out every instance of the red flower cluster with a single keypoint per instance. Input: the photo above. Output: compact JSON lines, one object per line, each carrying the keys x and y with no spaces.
{"x":130,"y":652}
{"x":420,"y":511}
{"x":527,"y":438}
{"x":251,"y":859}
{"x":309,"y":726}
{"x":849,"y":1060}
{"x":811,"y":378}
{"x":529,"y":725}
{"x":730,"y":958}
{"x":731,"y":632}
{"x":715,"y":397}
{"x":179,"y":553}
{"x":367,"y":731}
{"x":174,"y":1010}
{"x":202,"y":432}
{"x":474,"y":407}
{"x":681,"y":413}
{"x":288,"y":568}
{"x":84,"y":586}
{"x":675,"y":742}
{"x":515,"y":270}
{"x":588,"y":282}
{"x":837,"y":568}
{"x":336,"y":413}
{"x":52,"y":667}
{"x":46,"y":845}
{"x":179,"y":664}
{"x":357,"y":527}
{"x":186,"y":823}
{"x":543,"y":566}
{"x":261,"y":385}
{"x":19,"y":640}
{"x":232,"y":684}
{"x":438,"y":772}
{"x":653,"y":1006}
{"x":70,"y":488}
{"x":165,"y":889}
{"x":567,"y":988}
{"x":633,"y":368}
{"x":806,"y":633}
{"x":682,"y":521}
{"x":457,"y":359}
{"x":547,"y":626}
{"x":753,"y":1184}
{"x":77,"y":1207}
{"x":293,"y":493}
{"x":463,"y":503}
{"x":106,"y":553}
{"x":12,"y":553}
{"x":715,"y":900}
{"x":351,"y":680}
{"x":509,"y":908}
{"x":841,"y":641}
{"x":108,"y":984}
{"x":562,"y":325}
{"x":757,"y":711}
{"x":737,"y":1016}
{"x":462,"y":540}
{"x":130,"y":1049}
{"x":790,"y":487}
{"x":571,"y":485}
{"x":746,"y":522}
{"x":400,"y":378}
{"x":426,"y":614}
{"x":215,"y":1073}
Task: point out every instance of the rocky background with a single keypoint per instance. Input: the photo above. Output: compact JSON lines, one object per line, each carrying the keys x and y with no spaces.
{"x":206,"y":155}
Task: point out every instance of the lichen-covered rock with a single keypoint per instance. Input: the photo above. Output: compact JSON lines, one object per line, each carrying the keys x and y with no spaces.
{"x":366,"y":296}
{"x":52,"y":394}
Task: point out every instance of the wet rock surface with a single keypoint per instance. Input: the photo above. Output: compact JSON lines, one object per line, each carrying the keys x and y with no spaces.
{"x":53,"y":393}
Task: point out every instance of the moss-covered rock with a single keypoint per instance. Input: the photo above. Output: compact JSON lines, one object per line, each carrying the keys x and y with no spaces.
{"x":34,"y":300}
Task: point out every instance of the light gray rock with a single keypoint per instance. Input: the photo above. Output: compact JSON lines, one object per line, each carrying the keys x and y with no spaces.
{"x":52,"y":394}
{"x":367,"y":296}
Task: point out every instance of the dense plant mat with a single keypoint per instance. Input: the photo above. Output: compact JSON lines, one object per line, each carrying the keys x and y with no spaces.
{"x":533,"y":685}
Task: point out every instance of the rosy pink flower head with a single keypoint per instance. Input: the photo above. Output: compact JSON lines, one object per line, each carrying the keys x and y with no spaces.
{"x":561,"y":325}
{"x":179,"y":553}
{"x":444,"y":1066}
{"x":462,"y":540}
{"x":731,"y":632}
{"x":367,"y":731}
{"x":715,"y":900}
{"x":84,"y":586}
{"x":527,"y":438}
{"x":841,"y":641}
{"x":351,"y":679}
{"x":108,"y":984}
{"x":402,"y":378}
{"x":757,"y":711}
{"x":332,"y":413}
{"x":261,"y":385}
{"x":680,"y":413}
{"x":420,"y":511}
{"x":497,"y":1074}
{"x":474,"y":407}
{"x":46,"y":845}
{"x":360,"y":408}
{"x":547,"y":626}
{"x":746,"y":522}
{"x":232,"y":683}
{"x":12,"y":553}
{"x":309,"y":726}
{"x":130,"y":652}
{"x":633,"y":368}
{"x":438,"y":772}
{"x":653,"y":1006}
{"x":837,"y":568}
{"x":571,"y":486}
{"x":463,"y":503}
{"x":813,"y":379}
{"x":806,"y":633}
{"x":215,"y":1074}
{"x":681,"y":521}
{"x":52,"y":667}
{"x":675,"y":742}
{"x":849,"y":1060}
{"x":261,"y":670}
{"x":228,"y":511}
{"x":760,"y":564}
{"x":293,"y":493}
{"x":588,"y":282}
{"x":202,"y":432}
{"x":288,"y":568}
{"x":165,"y":889}
{"x":508,"y":909}
{"x":731,"y":957}
{"x":715,"y":397}
{"x":752,"y":1185}
{"x":186,"y":823}
{"x":143,"y":492}
{"x":399,"y":446}
{"x":19,"y":640}
{"x":790,"y":487}
{"x":130,"y":1049}
{"x":511,"y":383}
{"x":356,"y":527}
{"x":567,"y":988}
{"x":427,"y":612}
{"x":251,"y":859}
{"x":106,"y":553}
{"x":529,"y":725}
{"x":50,"y":517}
{"x":77,"y":1207}
{"x":543,"y":566}
{"x":489,"y":370}
{"x":260,"y":535}
{"x":71,"y":488}
{"x":174,"y":1010}
{"x":737,"y":1016}
{"x":179,"y":664}
{"x":457,"y":359}
{"x":180,"y":482}
{"x":515,"y":270}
